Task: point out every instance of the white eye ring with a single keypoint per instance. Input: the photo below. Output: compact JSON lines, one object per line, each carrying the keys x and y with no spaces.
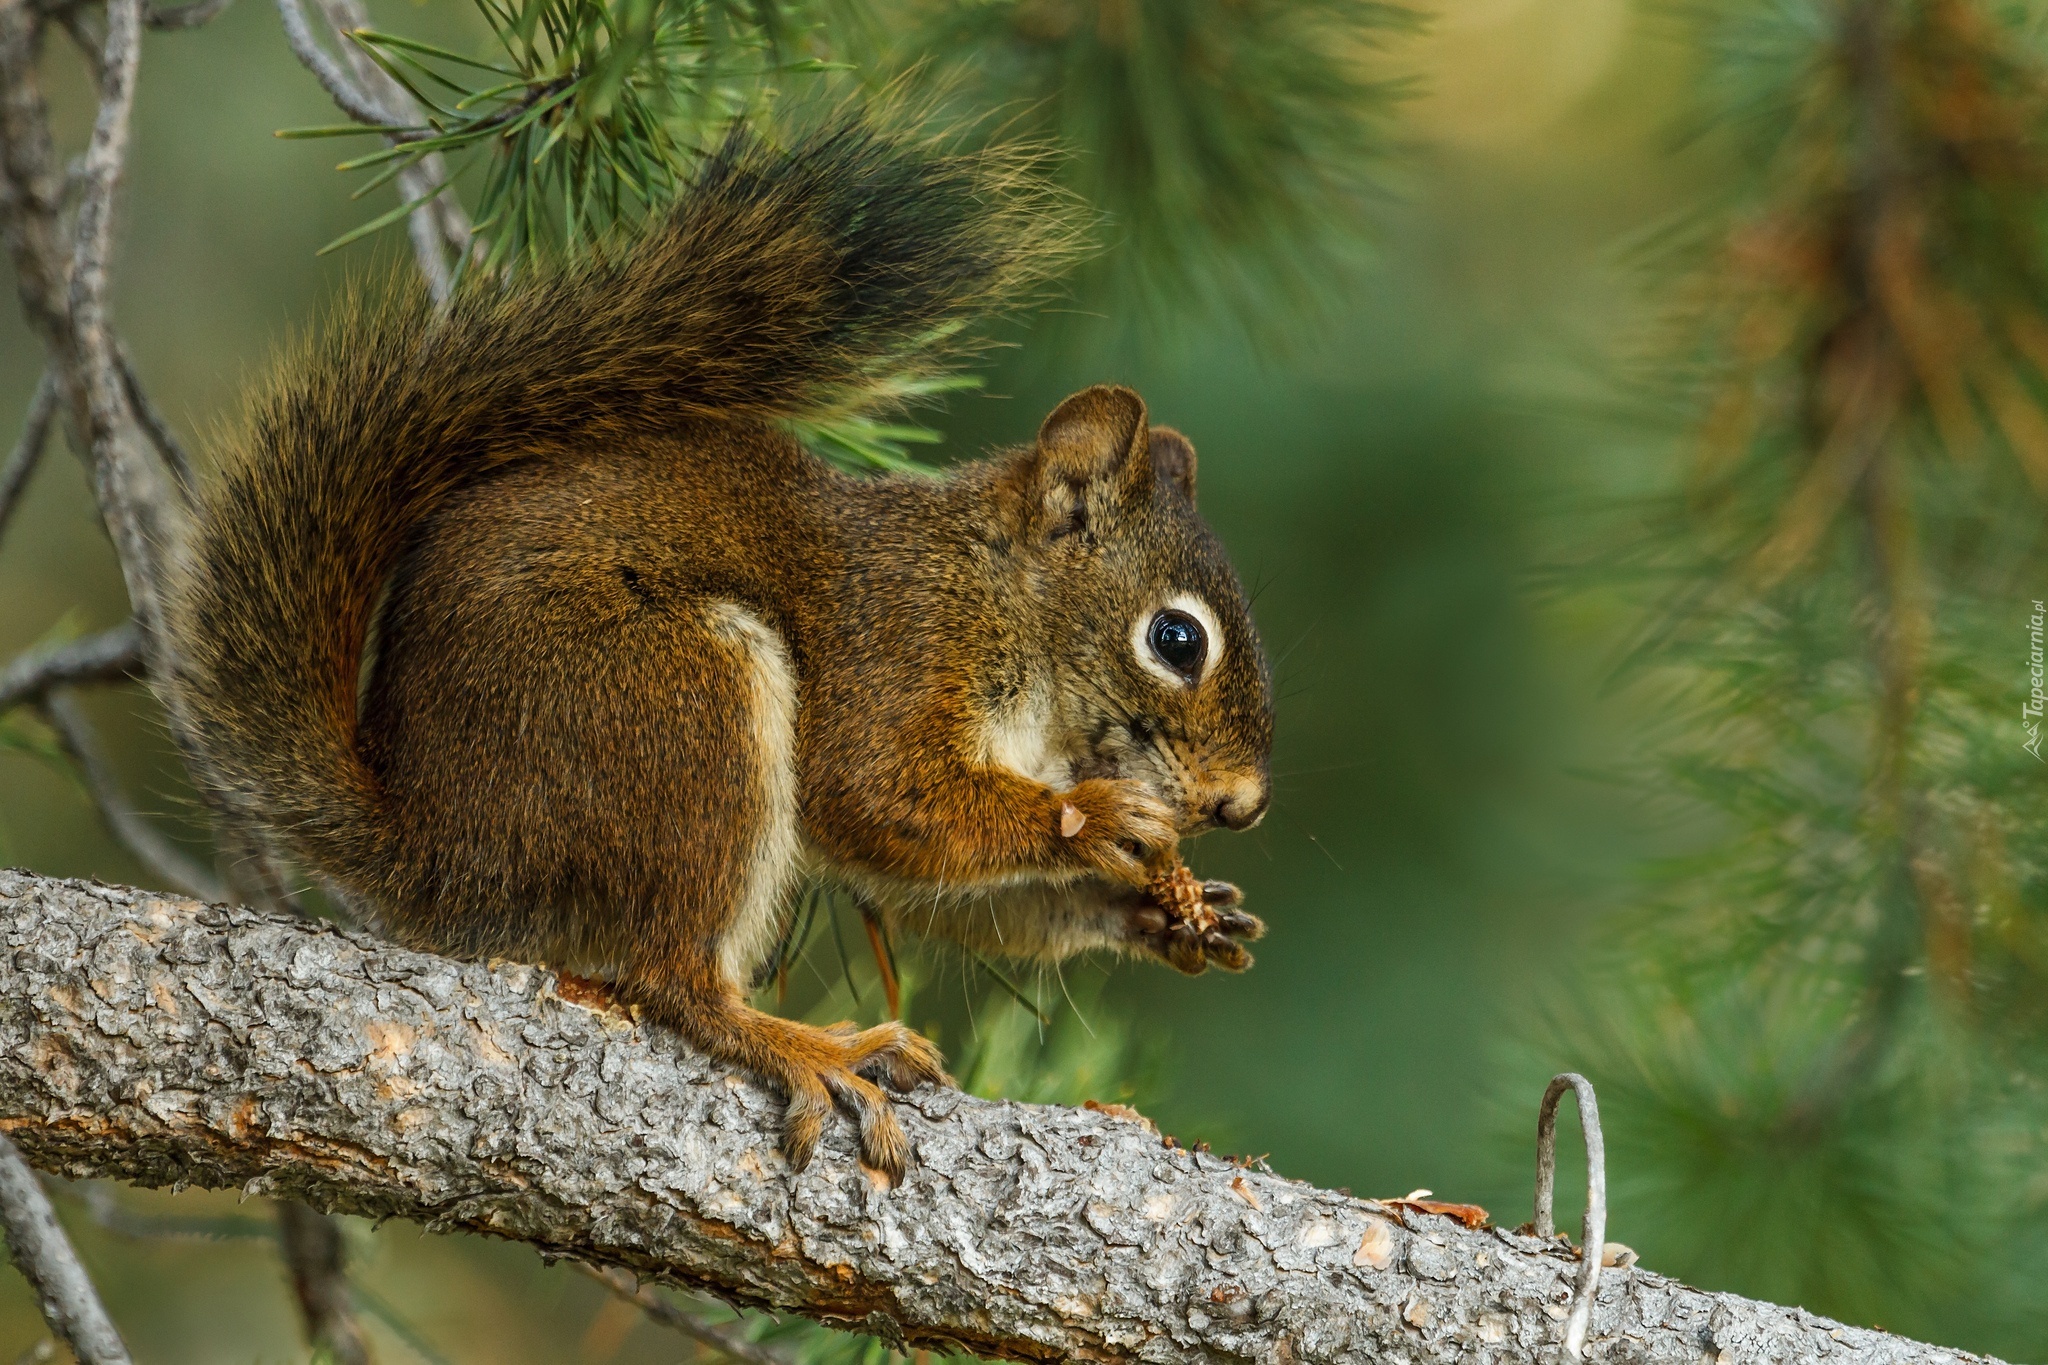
{"x":1141,"y":646}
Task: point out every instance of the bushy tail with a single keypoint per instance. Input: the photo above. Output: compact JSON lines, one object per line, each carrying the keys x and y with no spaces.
{"x":788,"y":282}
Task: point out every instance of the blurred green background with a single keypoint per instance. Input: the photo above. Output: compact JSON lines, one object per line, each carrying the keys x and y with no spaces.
{"x":1394,"y":476}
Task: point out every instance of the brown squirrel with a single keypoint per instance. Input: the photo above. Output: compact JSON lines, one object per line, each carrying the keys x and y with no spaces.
{"x":532,"y":631}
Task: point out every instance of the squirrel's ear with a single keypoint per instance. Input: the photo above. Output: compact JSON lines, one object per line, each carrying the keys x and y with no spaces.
{"x":1173,"y":459}
{"x":1095,"y":435}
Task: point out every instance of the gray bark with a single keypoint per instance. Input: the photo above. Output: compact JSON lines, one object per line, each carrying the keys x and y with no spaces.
{"x":151,"y":1039}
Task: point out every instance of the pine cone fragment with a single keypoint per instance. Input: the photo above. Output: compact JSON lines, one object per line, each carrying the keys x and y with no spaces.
{"x":1197,"y":932}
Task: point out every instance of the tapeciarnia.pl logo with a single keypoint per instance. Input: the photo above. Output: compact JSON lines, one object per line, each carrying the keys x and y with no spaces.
{"x":2030,"y":714}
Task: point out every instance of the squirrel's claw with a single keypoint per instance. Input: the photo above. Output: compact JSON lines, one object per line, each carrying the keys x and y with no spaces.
{"x":1237,"y":924}
{"x":1192,"y":943}
{"x":898,"y":1057}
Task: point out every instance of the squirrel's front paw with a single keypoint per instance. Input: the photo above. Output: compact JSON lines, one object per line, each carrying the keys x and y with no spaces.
{"x":1193,"y":924}
{"x":1114,"y":826}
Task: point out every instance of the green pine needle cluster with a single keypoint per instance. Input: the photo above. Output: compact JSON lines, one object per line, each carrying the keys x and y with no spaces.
{"x":583,"y":115}
{"x":1235,"y":146}
{"x":1827,"y":1016}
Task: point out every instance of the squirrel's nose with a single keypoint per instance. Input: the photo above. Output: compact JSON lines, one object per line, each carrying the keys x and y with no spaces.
{"x":1241,"y":809}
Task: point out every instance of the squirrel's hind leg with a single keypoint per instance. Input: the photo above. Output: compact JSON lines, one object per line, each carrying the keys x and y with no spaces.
{"x":815,"y":1068}
{"x":695,"y":982}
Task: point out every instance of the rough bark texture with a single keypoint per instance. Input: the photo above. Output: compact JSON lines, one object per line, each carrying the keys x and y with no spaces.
{"x":152,"y":1039}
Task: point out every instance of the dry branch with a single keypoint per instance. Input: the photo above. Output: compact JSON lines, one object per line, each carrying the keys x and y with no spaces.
{"x":717,"y":1339}
{"x":155,"y":1040}
{"x":44,"y":1256}
{"x":28,"y":451}
{"x":151,"y":847}
{"x":106,"y":657}
{"x":367,"y":93}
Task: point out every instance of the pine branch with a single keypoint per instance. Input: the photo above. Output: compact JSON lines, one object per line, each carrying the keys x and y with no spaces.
{"x":149,"y":1039}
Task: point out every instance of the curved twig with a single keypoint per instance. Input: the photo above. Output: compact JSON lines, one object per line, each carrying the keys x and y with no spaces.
{"x":1593,"y":1238}
{"x":160,"y":434}
{"x":366,"y":94}
{"x":347,"y":96}
{"x":141,"y":506}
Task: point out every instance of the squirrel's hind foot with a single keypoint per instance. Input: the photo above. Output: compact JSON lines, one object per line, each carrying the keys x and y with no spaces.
{"x":817,"y":1069}
{"x":838,"y":1068}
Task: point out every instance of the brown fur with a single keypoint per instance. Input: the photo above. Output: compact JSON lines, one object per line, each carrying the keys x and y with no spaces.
{"x":638,"y":651}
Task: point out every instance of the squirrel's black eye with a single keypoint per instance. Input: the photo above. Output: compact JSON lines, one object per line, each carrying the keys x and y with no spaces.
{"x":1177,"y":638}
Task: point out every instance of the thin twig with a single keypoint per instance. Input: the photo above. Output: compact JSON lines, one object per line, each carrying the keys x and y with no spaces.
{"x":109,"y":656}
{"x":668,"y":1315}
{"x":28,"y":451}
{"x":357,"y":104}
{"x":99,"y":1203}
{"x":368,"y":95}
{"x":423,"y":229}
{"x":93,"y":236}
{"x":1593,"y":1233}
{"x":78,"y":738}
{"x":439,"y":221}
{"x":141,"y":508}
{"x":185,"y":16}
{"x":44,"y":1256}
{"x":317,"y":1259}
{"x":152,"y":422}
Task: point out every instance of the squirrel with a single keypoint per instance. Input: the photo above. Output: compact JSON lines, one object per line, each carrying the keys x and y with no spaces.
{"x":531,"y":630}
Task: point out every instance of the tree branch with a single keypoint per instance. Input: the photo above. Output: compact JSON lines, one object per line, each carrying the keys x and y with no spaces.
{"x":62,"y":284}
{"x":139,"y":503}
{"x":670,"y":1316}
{"x":367,"y":94}
{"x":154,"y":1040}
{"x":106,"y":657}
{"x":28,"y":451}
{"x":136,"y":834}
{"x":43,"y":1254}
{"x":317,"y":1257}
